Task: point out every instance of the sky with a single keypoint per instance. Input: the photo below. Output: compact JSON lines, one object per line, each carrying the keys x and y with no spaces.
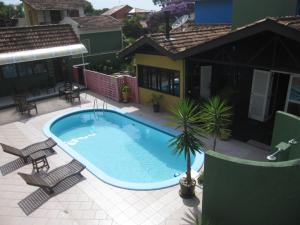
{"x":99,"y":4}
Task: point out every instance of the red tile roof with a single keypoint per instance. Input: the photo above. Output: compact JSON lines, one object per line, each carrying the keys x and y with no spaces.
{"x":97,"y":22}
{"x":195,"y":35}
{"x":28,"y":38}
{"x":194,"y":38}
{"x":115,"y":9}
{"x":56,"y":4}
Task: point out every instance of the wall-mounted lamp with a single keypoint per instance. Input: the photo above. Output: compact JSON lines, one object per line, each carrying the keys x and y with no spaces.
{"x":282,"y":146}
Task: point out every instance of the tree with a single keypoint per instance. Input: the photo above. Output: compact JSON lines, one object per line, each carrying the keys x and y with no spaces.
{"x":176,"y":8}
{"x":161,"y":3}
{"x":216,"y":118}
{"x":11,"y":11}
{"x":187,"y":118}
{"x":132,"y":27}
{"x":90,"y":11}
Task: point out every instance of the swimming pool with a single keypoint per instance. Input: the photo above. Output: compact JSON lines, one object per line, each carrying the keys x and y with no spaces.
{"x":119,"y":149}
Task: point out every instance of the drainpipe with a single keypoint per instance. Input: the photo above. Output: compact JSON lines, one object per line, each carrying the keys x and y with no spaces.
{"x":167,"y":18}
{"x":82,"y":57}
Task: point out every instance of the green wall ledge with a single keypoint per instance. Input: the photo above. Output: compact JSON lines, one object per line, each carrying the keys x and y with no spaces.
{"x":244,"y":192}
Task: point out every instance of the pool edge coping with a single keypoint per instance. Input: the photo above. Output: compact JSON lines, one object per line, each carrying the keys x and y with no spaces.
{"x":197,"y":165}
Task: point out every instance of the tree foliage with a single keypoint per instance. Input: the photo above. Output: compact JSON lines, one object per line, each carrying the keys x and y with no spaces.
{"x":216,"y":118}
{"x":132,"y":27}
{"x":177,"y":8}
{"x":11,"y":11}
{"x":90,"y":11}
{"x":187,"y":118}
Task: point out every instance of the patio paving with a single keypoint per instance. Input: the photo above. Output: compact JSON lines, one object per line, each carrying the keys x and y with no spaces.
{"x":93,"y":201}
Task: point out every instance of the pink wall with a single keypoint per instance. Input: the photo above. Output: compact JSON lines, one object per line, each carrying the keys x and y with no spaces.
{"x":110,"y":86}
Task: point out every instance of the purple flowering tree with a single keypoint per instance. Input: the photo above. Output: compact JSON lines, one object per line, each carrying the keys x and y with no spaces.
{"x":176,"y":8}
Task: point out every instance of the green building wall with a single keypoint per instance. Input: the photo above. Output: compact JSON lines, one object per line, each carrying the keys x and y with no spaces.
{"x":287,"y":127}
{"x":242,"y":192}
{"x":248,"y":11}
{"x":101,"y":46}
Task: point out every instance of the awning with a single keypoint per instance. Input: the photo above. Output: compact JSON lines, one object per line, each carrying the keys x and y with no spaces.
{"x":43,"y":53}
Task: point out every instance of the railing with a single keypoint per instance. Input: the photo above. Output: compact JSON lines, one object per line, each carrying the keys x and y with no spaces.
{"x":96,"y":107}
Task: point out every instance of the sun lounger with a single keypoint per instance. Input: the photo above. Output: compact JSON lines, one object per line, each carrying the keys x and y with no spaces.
{"x":27,"y":151}
{"x":53,"y":178}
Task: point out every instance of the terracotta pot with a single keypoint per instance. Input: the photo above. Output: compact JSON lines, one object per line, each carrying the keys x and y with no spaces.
{"x":125,"y":97}
{"x":187,"y":190}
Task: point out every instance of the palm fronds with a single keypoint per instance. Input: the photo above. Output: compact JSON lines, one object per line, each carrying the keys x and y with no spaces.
{"x":216,"y":118}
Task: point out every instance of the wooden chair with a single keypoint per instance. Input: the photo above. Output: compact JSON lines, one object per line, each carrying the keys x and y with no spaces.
{"x":75,"y":95}
{"x":26,"y":106}
{"x":53,"y":178}
{"x":65,"y":89}
{"x":25,"y":153}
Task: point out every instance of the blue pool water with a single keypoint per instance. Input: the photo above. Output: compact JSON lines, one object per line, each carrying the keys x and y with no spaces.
{"x":123,"y":150}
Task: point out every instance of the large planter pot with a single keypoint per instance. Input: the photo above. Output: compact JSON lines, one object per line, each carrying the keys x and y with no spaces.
{"x":156,"y":108}
{"x":125,"y":97}
{"x":187,"y":190}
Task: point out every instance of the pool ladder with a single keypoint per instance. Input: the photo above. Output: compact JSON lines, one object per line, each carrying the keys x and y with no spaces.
{"x":96,"y":106}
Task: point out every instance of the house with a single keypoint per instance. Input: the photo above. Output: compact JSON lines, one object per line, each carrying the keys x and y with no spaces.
{"x":242,"y":12}
{"x":39,"y":12}
{"x":138,"y":11}
{"x":118,"y":12}
{"x":101,"y":35}
{"x":256,"y":67}
{"x":213,"y":11}
{"x":32,"y":58}
{"x":262,"y":9}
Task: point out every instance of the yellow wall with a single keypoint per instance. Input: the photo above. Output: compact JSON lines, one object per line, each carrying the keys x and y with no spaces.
{"x":31,"y":15}
{"x":168,"y":101}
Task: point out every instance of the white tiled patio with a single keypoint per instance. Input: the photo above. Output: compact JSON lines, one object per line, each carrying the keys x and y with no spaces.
{"x":93,"y":201}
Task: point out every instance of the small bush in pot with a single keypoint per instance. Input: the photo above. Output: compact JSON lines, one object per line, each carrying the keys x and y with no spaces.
{"x":156,"y":102}
{"x":187,"y":118}
{"x":125,"y":93}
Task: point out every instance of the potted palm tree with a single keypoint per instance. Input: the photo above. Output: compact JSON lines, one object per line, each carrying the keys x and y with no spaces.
{"x":156,"y":102}
{"x":125,"y":93}
{"x":187,"y":118}
{"x":216,"y":118}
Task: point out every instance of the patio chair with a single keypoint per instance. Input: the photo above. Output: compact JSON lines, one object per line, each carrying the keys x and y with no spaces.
{"x":17,"y":100}
{"x":50,"y":180}
{"x":25,"y":106}
{"x":65,"y":89}
{"x":75,"y":94}
{"x":27,"y":151}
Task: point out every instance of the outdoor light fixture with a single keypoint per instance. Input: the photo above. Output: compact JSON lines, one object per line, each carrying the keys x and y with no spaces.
{"x":273,"y":157}
{"x":281,"y":147}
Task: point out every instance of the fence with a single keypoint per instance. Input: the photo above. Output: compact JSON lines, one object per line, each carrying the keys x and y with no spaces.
{"x":109,"y":86}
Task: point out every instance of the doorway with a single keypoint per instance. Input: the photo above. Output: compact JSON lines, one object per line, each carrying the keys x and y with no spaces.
{"x":279,"y":93}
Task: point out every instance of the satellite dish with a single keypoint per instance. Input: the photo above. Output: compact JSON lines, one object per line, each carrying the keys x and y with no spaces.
{"x":180,"y":21}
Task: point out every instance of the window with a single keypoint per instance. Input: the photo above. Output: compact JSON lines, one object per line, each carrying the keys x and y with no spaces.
{"x":24,"y":69}
{"x":162,"y":80}
{"x":9,"y":71}
{"x":40,"y":68}
{"x":293,"y":104}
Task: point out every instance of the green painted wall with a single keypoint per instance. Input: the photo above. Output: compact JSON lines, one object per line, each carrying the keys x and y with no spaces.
{"x":248,"y":11}
{"x":242,"y":192}
{"x":100,"y":43}
{"x":286,"y":127}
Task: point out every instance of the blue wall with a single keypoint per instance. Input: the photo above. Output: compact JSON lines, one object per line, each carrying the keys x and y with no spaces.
{"x":213,"y":11}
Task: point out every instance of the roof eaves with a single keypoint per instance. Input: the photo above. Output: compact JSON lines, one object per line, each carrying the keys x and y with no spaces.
{"x":267,"y":24}
{"x":142,"y":41}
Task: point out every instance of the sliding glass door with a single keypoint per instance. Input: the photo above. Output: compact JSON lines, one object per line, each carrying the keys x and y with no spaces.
{"x":293,"y":100}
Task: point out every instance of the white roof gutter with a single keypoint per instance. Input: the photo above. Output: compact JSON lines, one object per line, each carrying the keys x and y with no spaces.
{"x":40,"y":54}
